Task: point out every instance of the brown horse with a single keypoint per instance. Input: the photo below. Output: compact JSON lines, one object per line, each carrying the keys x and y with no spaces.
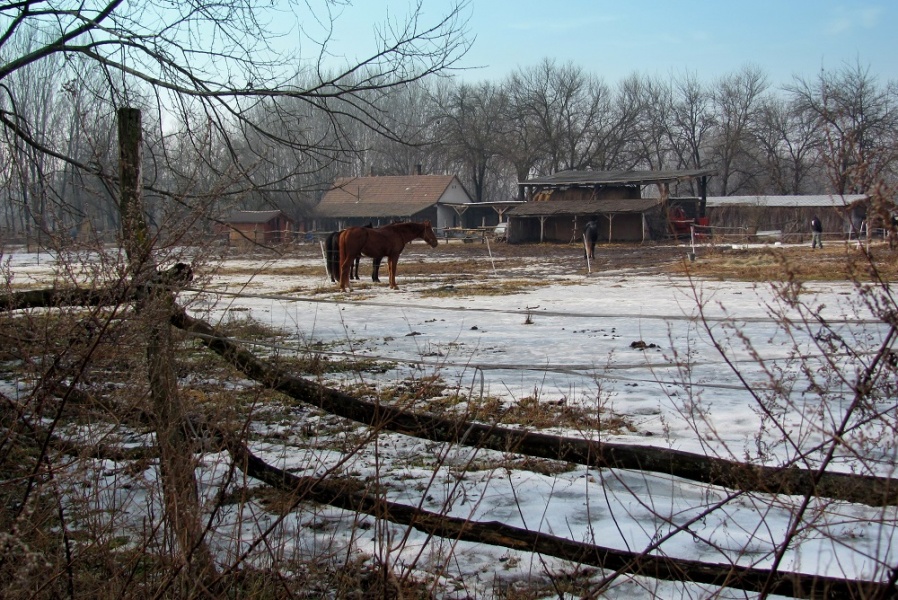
{"x":388,"y":241}
{"x":332,"y":259}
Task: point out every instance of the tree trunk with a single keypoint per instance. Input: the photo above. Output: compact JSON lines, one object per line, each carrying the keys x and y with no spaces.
{"x":168,"y":412}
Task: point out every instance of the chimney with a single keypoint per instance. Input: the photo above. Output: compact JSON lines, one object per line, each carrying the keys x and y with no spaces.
{"x":418,"y":169}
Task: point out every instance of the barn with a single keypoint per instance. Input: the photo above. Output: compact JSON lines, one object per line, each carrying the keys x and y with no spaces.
{"x":257,"y":227}
{"x":441,"y":199}
{"x":788,"y":217}
{"x":559,"y":205}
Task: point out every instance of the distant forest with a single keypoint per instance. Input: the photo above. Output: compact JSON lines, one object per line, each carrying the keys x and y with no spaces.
{"x":831,"y":132}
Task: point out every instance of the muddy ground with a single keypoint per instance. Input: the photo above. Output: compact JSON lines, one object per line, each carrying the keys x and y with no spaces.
{"x":840,"y":260}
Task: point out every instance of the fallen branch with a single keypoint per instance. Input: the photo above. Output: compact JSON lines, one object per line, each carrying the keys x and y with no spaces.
{"x":174,"y":277}
{"x":59,"y":297}
{"x":864,"y":489}
{"x":351,"y":495}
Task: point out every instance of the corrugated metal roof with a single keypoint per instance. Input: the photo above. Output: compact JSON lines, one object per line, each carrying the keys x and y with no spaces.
{"x":815,"y":201}
{"x":616,"y":177}
{"x":580,"y":207}
{"x":389,"y":196}
{"x":253,"y":216}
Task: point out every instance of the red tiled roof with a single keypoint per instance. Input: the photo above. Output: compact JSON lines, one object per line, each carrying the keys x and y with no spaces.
{"x":391,"y":196}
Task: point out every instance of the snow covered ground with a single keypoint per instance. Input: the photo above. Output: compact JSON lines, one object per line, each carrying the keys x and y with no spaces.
{"x":722,"y":368}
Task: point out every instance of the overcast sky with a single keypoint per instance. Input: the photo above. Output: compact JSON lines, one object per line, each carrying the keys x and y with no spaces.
{"x":614,"y":39}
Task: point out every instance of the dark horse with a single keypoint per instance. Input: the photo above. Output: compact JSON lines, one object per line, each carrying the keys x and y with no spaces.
{"x":388,"y":241}
{"x":332,"y":259}
{"x":590,"y":236}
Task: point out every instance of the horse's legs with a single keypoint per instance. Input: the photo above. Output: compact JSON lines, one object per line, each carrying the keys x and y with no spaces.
{"x":392,"y":262}
{"x":345,"y":266}
{"x":355,"y":268}
{"x":375,"y":268}
{"x":332,"y":256}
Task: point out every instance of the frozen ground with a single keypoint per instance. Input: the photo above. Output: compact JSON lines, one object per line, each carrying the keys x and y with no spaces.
{"x":712,"y":349}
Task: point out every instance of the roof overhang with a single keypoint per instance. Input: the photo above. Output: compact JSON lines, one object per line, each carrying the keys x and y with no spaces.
{"x":612,"y":178}
{"x":607,"y":206}
{"x":804,"y":201}
{"x":254,"y":216}
{"x":372,"y":210}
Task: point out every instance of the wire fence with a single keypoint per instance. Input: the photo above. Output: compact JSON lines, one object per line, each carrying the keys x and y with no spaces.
{"x":618,"y":371}
{"x":716,"y":235}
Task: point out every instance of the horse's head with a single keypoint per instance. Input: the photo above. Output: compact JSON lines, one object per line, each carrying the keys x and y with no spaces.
{"x":428,"y":235}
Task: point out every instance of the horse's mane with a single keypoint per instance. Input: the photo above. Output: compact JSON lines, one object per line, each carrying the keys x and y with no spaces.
{"x":413,"y":225}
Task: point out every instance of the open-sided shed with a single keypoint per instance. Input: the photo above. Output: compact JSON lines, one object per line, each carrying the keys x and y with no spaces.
{"x":790,"y":216}
{"x":559,"y":205}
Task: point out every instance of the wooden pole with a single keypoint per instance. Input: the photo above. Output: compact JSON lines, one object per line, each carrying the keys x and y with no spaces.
{"x":155,"y":305}
{"x":586,"y":250}
{"x":487,"y":238}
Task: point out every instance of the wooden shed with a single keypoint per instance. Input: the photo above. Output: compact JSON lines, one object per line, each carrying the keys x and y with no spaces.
{"x":788,"y":217}
{"x":558,"y":206}
{"x":441,"y":199}
{"x":257,"y":226}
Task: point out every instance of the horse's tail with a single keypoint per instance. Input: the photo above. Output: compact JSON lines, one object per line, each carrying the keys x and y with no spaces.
{"x":332,"y":255}
{"x":348,"y":249}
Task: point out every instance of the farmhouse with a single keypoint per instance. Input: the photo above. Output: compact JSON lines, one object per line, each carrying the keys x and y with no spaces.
{"x":559,"y":205}
{"x":441,"y":199}
{"x":257,"y":226}
{"x":788,"y":217}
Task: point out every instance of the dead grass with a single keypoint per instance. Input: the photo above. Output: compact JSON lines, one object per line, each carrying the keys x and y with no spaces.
{"x":836,"y":262}
{"x":456,"y":264}
{"x":303,"y":270}
{"x":501,"y":287}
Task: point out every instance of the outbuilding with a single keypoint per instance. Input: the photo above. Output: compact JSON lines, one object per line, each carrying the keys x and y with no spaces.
{"x":379,"y":200}
{"x":257,"y":227}
{"x":559,"y":206}
{"x":788,"y":217}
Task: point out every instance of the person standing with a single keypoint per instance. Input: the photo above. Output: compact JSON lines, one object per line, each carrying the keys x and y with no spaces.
{"x":590,"y":237}
{"x":816,"y":232}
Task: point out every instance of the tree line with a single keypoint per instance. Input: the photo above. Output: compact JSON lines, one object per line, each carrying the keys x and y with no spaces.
{"x":835,"y":132}
{"x":213,"y":148}
{"x":146,"y":121}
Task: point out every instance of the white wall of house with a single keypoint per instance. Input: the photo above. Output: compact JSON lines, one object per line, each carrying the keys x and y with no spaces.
{"x":454,"y":194}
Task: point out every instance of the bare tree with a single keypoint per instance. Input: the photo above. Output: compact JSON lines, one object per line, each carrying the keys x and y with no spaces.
{"x":857,"y":119}
{"x":523,"y":145}
{"x":654,"y":126}
{"x":736,"y":100}
{"x":788,"y":147}
{"x":200,"y":73}
{"x":471,"y":130}
{"x":622,"y":126}
{"x":568,"y":108}
{"x":692,"y":121}
{"x":208,"y":66}
{"x":412,"y":116}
